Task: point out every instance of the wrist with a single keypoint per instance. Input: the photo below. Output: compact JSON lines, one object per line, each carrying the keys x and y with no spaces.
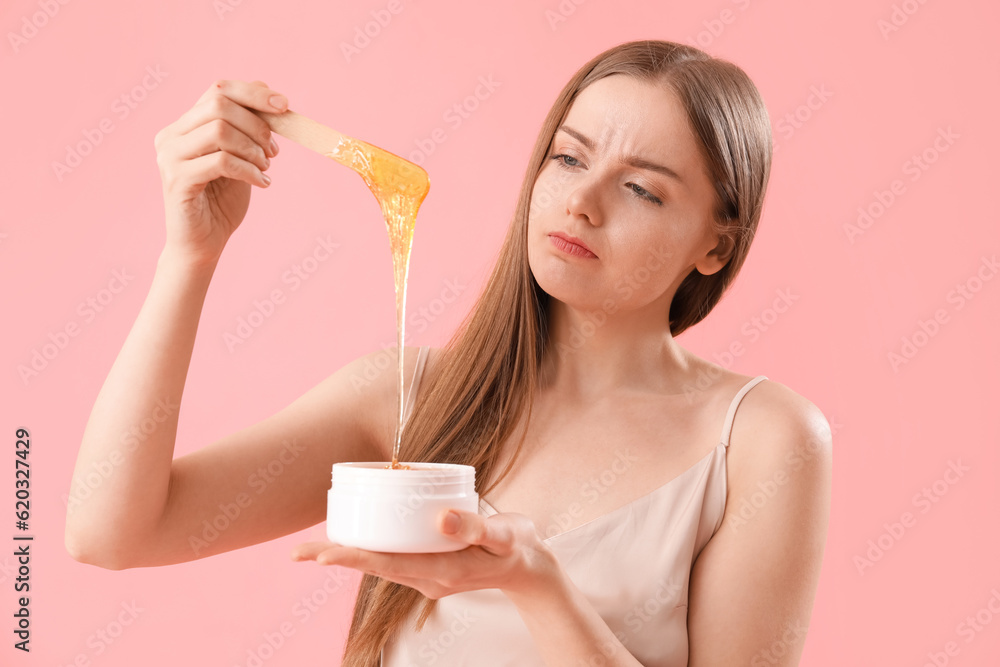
{"x":547,"y":586}
{"x":175,"y":259}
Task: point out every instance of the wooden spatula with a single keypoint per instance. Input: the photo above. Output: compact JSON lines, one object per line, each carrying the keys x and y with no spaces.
{"x":406,"y":178}
{"x":305,"y":131}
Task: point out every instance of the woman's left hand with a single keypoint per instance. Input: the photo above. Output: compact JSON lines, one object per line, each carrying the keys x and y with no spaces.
{"x":504,"y":552}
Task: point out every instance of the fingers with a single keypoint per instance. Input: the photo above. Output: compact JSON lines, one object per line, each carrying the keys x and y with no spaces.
{"x":413,"y":567}
{"x":229,"y":101}
{"x":330,"y":553}
{"x":310,"y":550}
{"x":218,"y":107}
{"x":254,"y":95}
{"x":219,"y":135}
{"x":495,"y":535}
{"x":207,"y":168}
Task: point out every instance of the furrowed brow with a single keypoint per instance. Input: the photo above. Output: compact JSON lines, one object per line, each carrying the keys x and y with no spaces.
{"x":633,"y":161}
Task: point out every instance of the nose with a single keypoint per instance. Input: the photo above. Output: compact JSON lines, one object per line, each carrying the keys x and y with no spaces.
{"x":583,"y":199}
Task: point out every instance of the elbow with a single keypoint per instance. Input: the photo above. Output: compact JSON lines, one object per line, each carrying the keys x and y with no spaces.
{"x":85,"y":551}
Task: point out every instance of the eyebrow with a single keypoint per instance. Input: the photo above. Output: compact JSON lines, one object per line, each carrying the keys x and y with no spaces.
{"x":632,"y":161}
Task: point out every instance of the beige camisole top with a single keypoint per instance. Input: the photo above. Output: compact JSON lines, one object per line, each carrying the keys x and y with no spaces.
{"x":633,"y":564}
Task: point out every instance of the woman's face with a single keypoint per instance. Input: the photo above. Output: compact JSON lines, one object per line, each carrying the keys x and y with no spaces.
{"x":624,"y":175}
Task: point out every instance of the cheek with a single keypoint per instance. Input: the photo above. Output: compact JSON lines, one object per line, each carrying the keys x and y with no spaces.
{"x":646,"y":258}
{"x":546,"y":192}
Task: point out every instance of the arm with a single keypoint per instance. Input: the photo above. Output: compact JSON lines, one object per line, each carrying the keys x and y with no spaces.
{"x":131,"y":504}
{"x":120,"y":482}
{"x":753,"y":585}
{"x":208,"y":160}
{"x":263,"y":482}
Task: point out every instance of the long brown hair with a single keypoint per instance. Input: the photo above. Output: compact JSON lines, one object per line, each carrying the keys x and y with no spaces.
{"x":488,"y":372}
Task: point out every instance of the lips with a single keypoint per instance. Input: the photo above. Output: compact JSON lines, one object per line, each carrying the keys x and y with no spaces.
{"x":571,"y":245}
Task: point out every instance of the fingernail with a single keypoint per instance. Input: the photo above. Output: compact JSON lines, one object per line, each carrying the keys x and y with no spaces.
{"x":451,"y":522}
{"x":266,"y":179}
{"x":274,"y":147}
{"x":279,"y":102}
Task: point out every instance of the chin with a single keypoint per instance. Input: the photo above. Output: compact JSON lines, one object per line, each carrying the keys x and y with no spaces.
{"x":561,"y":285}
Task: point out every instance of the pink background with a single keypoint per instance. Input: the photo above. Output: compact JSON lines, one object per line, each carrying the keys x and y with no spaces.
{"x":885,"y":98}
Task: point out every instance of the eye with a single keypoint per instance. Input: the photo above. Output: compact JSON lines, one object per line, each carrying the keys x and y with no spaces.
{"x":644,"y":193}
{"x":566,"y":160}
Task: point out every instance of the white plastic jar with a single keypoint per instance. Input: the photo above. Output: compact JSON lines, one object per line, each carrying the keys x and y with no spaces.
{"x":371,"y":506}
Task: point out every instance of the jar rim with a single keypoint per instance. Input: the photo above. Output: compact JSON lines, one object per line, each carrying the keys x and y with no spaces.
{"x":416,"y":466}
{"x":377,"y":473}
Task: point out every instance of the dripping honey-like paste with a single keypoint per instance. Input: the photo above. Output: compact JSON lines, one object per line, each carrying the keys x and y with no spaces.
{"x":400,"y":187}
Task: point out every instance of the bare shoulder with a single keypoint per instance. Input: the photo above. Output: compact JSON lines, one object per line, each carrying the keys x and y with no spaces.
{"x":767,"y":553}
{"x":772,"y":415}
{"x":779,"y":438}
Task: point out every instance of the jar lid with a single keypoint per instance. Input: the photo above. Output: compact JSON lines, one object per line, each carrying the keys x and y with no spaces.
{"x":376,"y":472}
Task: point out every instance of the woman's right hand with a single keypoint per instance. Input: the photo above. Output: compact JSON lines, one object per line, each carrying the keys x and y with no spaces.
{"x":208,"y":159}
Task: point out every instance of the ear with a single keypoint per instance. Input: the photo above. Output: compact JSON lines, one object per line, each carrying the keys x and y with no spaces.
{"x":716,"y":258}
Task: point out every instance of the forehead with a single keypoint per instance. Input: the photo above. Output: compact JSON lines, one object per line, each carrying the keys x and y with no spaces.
{"x":625,"y":114}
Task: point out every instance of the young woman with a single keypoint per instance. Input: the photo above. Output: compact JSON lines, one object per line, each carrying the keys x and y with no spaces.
{"x":629,"y":515}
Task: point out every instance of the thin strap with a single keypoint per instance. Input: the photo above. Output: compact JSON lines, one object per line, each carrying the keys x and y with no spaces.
{"x":415,"y":382}
{"x":728,"y":426}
